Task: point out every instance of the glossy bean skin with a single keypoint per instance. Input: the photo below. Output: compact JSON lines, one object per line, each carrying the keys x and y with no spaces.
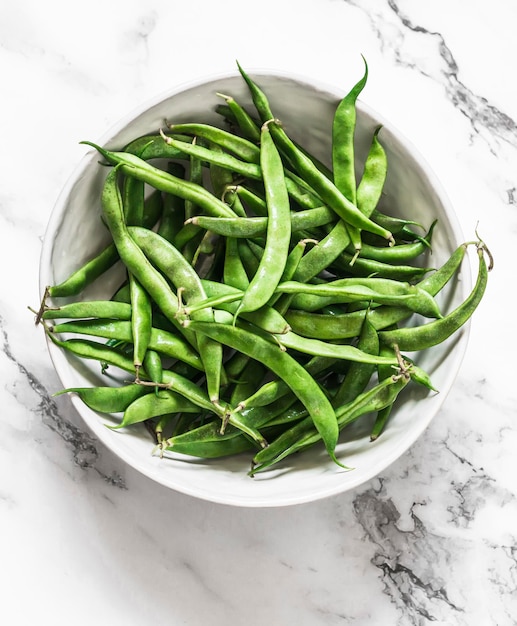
{"x":361,"y":266}
{"x":234,"y":272}
{"x":343,"y":151}
{"x":173,"y":208}
{"x":402,"y":253}
{"x":152,"y":364}
{"x":217,"y":157}
{"x":371,"y":185}
{"x":273,"y":390}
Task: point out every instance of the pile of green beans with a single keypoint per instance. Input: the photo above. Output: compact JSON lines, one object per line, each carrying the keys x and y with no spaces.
{"x":266,"y":299}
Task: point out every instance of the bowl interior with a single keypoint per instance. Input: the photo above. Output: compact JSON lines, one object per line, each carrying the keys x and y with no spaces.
{"x":75,"y":233}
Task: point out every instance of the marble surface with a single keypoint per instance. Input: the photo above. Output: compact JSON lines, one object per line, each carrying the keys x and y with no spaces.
{"x":85,"y":540}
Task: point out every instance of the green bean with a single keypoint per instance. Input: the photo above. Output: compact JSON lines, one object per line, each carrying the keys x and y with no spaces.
{"x":378,"y":290}
{"x":100,"y":352}
{"x":266,"y":318}
{"x":427,"y":335}
{"x":359,"y":266}
{"x":173,"y":209}
{"x":273,"y":390}
{"x":132,"y":165}
{"x":359,"y":374}
{"x":251,"y":199}
{"x":149,"y":147}
{"x":371,"y":185}
{"x":210,"y":445}
{"x":327,"y":251}
{"x":234,"y":273}
{"x":246,"y":123}
{"x":218,"y":157}
{"x":141,"y":321}
{"x":76,"y":282}
{"x":189,"y":238}
{"x":161,"y":341}
{"x":107,"y":399}
{"x":317,"y":347}
{"x":153,"y":365}
{"x":133,"y":200}
{"x":249,"y":227}
{"x":132,"y":256}
{"x":251,"y":375}
{"x":343,"y":129}
{"x":281,"y":300}
{"x":151,"y":405}
{"x":272,"y":263}
{"x":108,"y":309}
{"x":283,"y":365}
{"x":207,"y":441}
{"x":238,"y":146}
{"x":399,"y":253}
{"x":383,"y":414}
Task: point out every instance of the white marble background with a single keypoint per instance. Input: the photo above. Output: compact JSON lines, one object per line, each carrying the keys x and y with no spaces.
{"x":85,"y":540}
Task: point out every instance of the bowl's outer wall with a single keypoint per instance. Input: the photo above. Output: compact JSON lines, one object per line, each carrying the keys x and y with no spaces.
{"x":75,"y":232}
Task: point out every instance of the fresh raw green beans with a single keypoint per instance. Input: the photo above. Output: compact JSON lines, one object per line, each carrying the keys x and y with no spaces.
{"x":267,"y":300}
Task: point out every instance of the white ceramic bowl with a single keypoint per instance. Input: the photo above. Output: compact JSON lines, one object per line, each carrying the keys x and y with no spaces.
{"x":306,"y":109}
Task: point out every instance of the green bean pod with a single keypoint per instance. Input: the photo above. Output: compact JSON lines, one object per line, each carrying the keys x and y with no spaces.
{"x":131,"y":165}
{"x":240,"y":147}
{"x":151,"y":405}
{"x":141,"y":321}
{"x":359,"y":374}
{"x":283,"y":365}
{"x":425,"y":336}
{"x":378,"y":290}
{"x":107,"y":309}
{"x":272,"y":263}
{"x":107,"y":399}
